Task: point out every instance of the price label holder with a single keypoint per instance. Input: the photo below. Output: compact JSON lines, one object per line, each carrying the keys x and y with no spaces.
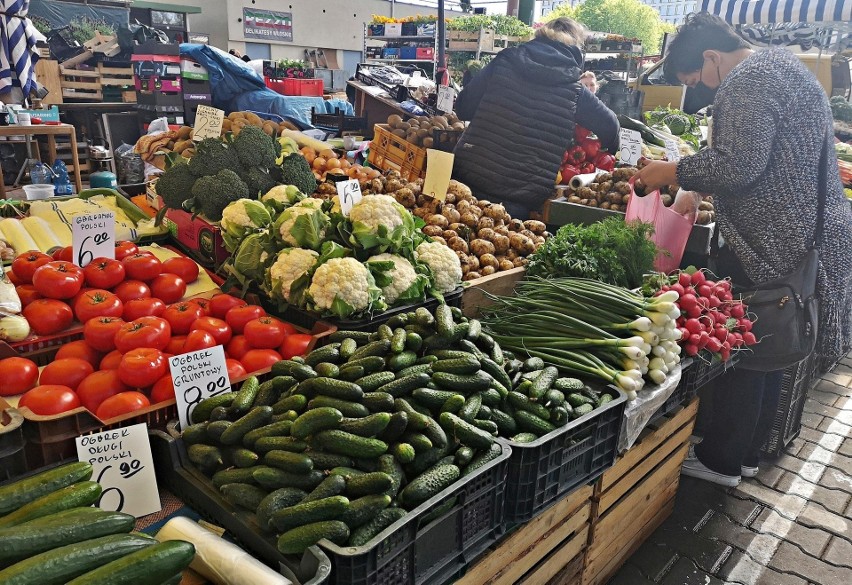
{"x":124,"y":467}
{"x":439,"y":169}
{"x":349,"y":193}
{"x":446,"y":99}
{"x":92,"y":236}
{"x":631,"y":146}
{"x":208,"y":123}
{"x":672,"y":150}
{"x":198,"y":375}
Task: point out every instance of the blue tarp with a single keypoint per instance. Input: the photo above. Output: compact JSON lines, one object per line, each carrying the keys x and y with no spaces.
{"x":238,"y":87}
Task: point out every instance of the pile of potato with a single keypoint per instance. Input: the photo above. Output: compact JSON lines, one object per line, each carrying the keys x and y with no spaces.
{"x":236,"y":121}
{"x":420,"y":129}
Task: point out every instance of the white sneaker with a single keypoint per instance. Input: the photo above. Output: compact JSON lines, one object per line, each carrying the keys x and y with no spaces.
{"x":748,"y":471}
{"x":692,"y":467}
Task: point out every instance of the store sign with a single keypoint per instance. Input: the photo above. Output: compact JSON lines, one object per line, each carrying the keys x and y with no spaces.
{"x":268,"y":25}
{"x":446,"y":98}
{"x":198,"y":375}
{"x":208,"y":122}
{"x":349,"y":193}
{"x":439,"y":169}
{"x":124,"y":467}
{"x":92,"y":236}
{"x":631,"y":147}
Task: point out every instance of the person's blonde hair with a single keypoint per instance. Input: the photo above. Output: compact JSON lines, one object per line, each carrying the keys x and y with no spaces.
{"x":563,"y":30}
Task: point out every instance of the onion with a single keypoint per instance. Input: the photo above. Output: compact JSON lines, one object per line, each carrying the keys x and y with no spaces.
{"x":14,"y":328}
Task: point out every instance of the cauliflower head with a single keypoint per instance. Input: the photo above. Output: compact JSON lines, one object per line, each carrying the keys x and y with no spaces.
{"x":303,"y":225}
{"x":398,"y":278}
{"x":290,"y":264}
{"x":240,"y":218}
{"x":444,"y":264}
{"x":380,"y":223}
{"x":281,"y":197}
{"x":344,"y":287}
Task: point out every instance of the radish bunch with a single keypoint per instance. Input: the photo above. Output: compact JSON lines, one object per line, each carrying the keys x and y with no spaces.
{"x":711,"y":319}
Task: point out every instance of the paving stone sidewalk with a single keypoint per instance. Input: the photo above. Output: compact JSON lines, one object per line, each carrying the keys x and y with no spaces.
{"x":791,"y":525}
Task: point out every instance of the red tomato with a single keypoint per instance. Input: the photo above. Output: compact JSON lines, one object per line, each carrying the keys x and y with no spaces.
{"x":18,"y":375}
{"x":27,"y":293}
{"x":97,"y":303}
{"x":259,"y":359}
{"x":50,"y":399}
{"x":237,"y":347}
{"x":65,"y":254}
{"x":58,"y":280}
{"x":218,"y":328}
{"x":295,"y":344}
{"x":144,"y":267}
{"x":25,"y":265}
{"x":111,"y":360}
{"x":239,"y":316}
{"x":141,"y":367}
{"x":181,"y":316}
{"x":163,"y":390}
{"x":198,"y":339}
{"x":48,"y":316}
{"x":152,"y":332}
{"x":124,"y":249}
{"x":99,"y":386}
{"x":14,"y":279}
{"x":104,"y":273}
{"x":130,"y":290}
{"x":265,"y":333}
{"x":288,"y":328}
{"x":220,"y":304}
{"x":168,"y":287}
{"x":99,"y":332}
{"x":68,"y":371}
{"x":203,"y":303}
{"x":184,"y":267}
{"x":143,"y":308}
{"x":175,"y":346}
{"x":80,"y":349}
{"x":123,"y":403}
{"x":235,"y":369}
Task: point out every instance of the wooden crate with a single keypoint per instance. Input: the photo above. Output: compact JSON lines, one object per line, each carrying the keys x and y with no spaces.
{"x":116,"y":76}
{"x":79,"y":84}
{"x":500,"y":283}
{"x":548,"y":550}
{"x":632,"y":499}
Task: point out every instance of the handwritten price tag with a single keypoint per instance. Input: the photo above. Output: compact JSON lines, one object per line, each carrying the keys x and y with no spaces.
{"x":123,"y":465}
{"x":439,"y":169}
{"x":198,"y":375}
{"x":631,"y":146}
{"x":208,"y":123}
{"x":93,"y":236}
{"x":446,"y":98}
{"x":349,"y":193}
{"x":672,"y":150}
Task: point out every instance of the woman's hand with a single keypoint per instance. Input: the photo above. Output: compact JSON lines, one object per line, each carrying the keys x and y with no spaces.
{"x":657,"y":174}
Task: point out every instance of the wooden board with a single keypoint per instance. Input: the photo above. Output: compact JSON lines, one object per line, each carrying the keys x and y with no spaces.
{"x":47,"y":73}
{"x":499,"y":283}
{"x":570,"y":575}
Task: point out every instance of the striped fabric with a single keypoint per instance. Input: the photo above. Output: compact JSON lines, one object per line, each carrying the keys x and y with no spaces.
{"x":18,"y":53}
{"x":808,"y":36}
{"x":776,"y":11}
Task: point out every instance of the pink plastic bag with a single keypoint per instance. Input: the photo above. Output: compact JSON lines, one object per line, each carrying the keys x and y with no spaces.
{"x":671,"y":230}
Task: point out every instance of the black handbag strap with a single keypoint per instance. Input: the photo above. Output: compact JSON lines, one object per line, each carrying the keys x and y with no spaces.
{"x":822,"y":190}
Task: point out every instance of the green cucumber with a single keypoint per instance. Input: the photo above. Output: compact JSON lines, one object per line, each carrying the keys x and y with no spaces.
{"x":413,"y":341}
{"x":401,"y":361}
{"x":453,"y":404}
{"x":466,"y":433}
{"x":346,"y":407}
{"x":398,"y":340}
{"x":344,"y":443}
{"x":16,"y":494}
{"x":277,"y":500}
{"x":390,"y":465}
{"x":463,"y":383}
{"x":345,"y":471}
{"x":289,"y":461}
{"x":521,"y":402}
{"x":471,"y":349}
{"x":428,"y":485}
{"x":342,"y":335}
{"x":243,"y":495}
{"x":437,"y":342}
{"x":216,"y":429}
{"x":290,"y":415}
{"x":378,"y":402}
{"x":154,"y":564}
{"x":378,"y":348}
{"x":368,"y":426}
{"x":484,"y":412}
{"x":202,"y":410}
{"x":417,"y":421}
{"x":316,"y":420}
{"x":433,"y":399}
{"x":531,"y":423}
{"x":347,"y":348}
{"x":465,"y":365}
{"x":371,"y":382}
{"x":245,"y":397}
{"x":295,"y":541}
{"x":402,"y":386}
{"x":369,"y":364}
{"x":475,"y":329}
{"x":497,"y":372}
{"x":363,"y":509}
{"x":327,"y":370}
{"x":367,"y":532}
{"x":559,"y":416}
{"x":384,"y":331}
{"x":283,"y":367}
{"x":328,"y":353}
{"x":491,"y":397}
{"x":484,"y":457}
{"x":350,"y":373}
{"x":333,"y":485}
{"x":220,"y":413}
{"x":506,"y":425}
{"x":206,"y":457}
{"x":397,"y":425}
{"x":444,"y":322}
{"x":415,"y":369}
{"x":340,"y":389}
{"x":272,"y":478}
{"x":267,"y":393}
{"x":326,"y":461}
{"x":605,"y":399}
{"x":435,"y":433}
{"x":267,"y":444}
{"x":568,"y":385}
{"x":424,"y":317}
{"x":419,"y":442}
{"x":404,"y":452}
{"x":368,"y":484}
{"x":234,"y":475}
{"x":463,"y":456}
{"x":470,"y":410}
{"x":309,"y":512}
{"x":553,"y":398}
{"x":496,"y":351}
{"x":296,"y":402}
{"x":532,"y":364}
{"x":258,"y":417}
{"x":196,"y":433}
{"x":424,"y":461}
{"x":276,"y":429}
{"x":242,"y":457}
{"x":486,"y":425}
{"x":302,"y":372}
{"x":524,"y":438}
{"x":582,"y":410}
{"x":77,"y":495}
{"x":449,"y":354}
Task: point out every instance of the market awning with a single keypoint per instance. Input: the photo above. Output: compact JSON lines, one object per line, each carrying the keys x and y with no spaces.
{"x":166,"y":7}
{"x":777,"y":11}
{"x":18,"y":54}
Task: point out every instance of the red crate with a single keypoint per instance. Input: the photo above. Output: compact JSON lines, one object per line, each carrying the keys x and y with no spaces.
{"x":295,"y":87}
{"x":425,"y":52}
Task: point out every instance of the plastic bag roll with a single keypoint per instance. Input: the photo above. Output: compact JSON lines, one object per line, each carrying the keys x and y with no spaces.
{"x":578,"y":181}
{"x":218,"y":560}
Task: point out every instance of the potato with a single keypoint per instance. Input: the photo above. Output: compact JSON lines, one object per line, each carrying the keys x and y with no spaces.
{"x":705,"y":206}
{"x":502,"y":230}
{"x":452,"y":214}
{"x":487,"y":270}
{"x":253,"y":119}
{"x":481,"y":247}
{"x":516,"y":225}
{"x":496,"y":212}
{"x":394,"y":120}
{"x":506,"y":264}
{"x":449,"y":234}
{"x":438,"y":220}
{"x":573,"y":199}
{"x":485,"y":222}
{"x":667,"y":200}
{"x":488,"y":260}
{"x":520,"y":261}
{"x":527,"y":233}
{"x":486,"y":234}
{"x":472,"y":276}
{"x":440,"y":240}
{"x":428,"y":142}
{"x":521,"y":243}
{"x":185,"y":132}
{"x":501,"y":243}
{"x":432,"y":230}
{"x":535,"y":226}
{"x":457,"y":244}
{"x":469,"y":219}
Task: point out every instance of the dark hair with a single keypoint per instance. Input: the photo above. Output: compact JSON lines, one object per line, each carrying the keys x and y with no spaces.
{"x":702,"y":31}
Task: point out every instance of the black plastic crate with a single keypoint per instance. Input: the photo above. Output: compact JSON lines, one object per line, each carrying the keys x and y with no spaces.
{"x":445,"y":140}
{"x":682,"y":395}
{"x":788,"y":417}
{"x":13,"y":457}
{"x":339,"y":123}
{"x":196,"y":490}
{"x":704,"y":369}
{"x":542,"y":471}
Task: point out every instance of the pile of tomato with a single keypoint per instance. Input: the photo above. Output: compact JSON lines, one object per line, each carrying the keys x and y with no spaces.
{"x":133,"y":320}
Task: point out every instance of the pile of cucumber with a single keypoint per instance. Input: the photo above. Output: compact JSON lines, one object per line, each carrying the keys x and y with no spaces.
{"x":341,"y":444}
{"x":50,"y":535}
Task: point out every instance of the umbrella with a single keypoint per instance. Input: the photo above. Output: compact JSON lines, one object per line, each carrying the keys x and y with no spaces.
{"x":18,"y":54}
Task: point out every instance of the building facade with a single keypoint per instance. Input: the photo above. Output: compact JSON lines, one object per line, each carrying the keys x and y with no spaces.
{"x":673,"y":11}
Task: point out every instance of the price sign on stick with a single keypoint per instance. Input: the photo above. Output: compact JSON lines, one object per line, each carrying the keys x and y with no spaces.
{"x":631,"y":146}
{"x":123,"y":465}
{"x":672,"y":150}
{"x":349,"y":193}
{"x":208,"y":123}
{"x":198,"y":375}
{"x":439,"y":169}
{"x":92,"y":236}
{"x":446,"y":98}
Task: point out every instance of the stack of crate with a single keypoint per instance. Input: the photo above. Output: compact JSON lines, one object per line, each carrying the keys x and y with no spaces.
{"x":157,"y":77}
{"x":196,"y":88}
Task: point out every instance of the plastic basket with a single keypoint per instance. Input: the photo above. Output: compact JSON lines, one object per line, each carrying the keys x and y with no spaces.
{"x":390,"y":152}
{"x":13,"y":458}
{"x":542,"y":471}
{"x":41,"y":349}
{"x":703,"y":370}
{"x":445,"y":140}
{"x":788,"y":417}
{"x":682,"y":394}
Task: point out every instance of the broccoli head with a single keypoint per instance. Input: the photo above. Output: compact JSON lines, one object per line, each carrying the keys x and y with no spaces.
{"x":258,"y":181}
{"x":175,"y":185}
{"x":211,"y":156}
{"x":255,"y":148}
{"x":295,"y":170}
{"x":212,"y":194}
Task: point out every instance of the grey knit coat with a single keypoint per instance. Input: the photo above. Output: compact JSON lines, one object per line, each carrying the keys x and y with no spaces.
{"x":771,"y":120}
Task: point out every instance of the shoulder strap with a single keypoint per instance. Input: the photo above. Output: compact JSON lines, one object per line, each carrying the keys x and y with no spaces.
{"x":822,"y":192}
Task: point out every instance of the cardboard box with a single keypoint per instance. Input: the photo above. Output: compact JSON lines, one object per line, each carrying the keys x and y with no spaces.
{"x":158,"y":84}
{"x":156,"y":66}
{"x":198,"y":237}
{"x":160,"y":99}
{"x":190,"y":69}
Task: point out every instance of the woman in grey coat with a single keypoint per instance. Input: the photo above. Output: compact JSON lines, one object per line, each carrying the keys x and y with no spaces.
{"x":771,"y":122}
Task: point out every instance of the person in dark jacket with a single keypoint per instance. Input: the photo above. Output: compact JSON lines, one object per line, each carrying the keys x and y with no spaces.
{"x":522,"y":108}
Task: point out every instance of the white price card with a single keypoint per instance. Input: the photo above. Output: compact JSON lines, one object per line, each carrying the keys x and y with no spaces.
{"x":446,"y":98}
{"x":124,"y":467}
{"x":631,"y":146}
{"x":439,"y":169}
{"x":92,"y":236}
{"x":349,"y":193}
{"x":208,"y":123}
{"x":672,"y":150}
{"x":198,"y":375}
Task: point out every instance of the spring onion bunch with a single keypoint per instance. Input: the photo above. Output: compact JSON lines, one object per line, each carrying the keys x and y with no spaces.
{"x":589,"y":328}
